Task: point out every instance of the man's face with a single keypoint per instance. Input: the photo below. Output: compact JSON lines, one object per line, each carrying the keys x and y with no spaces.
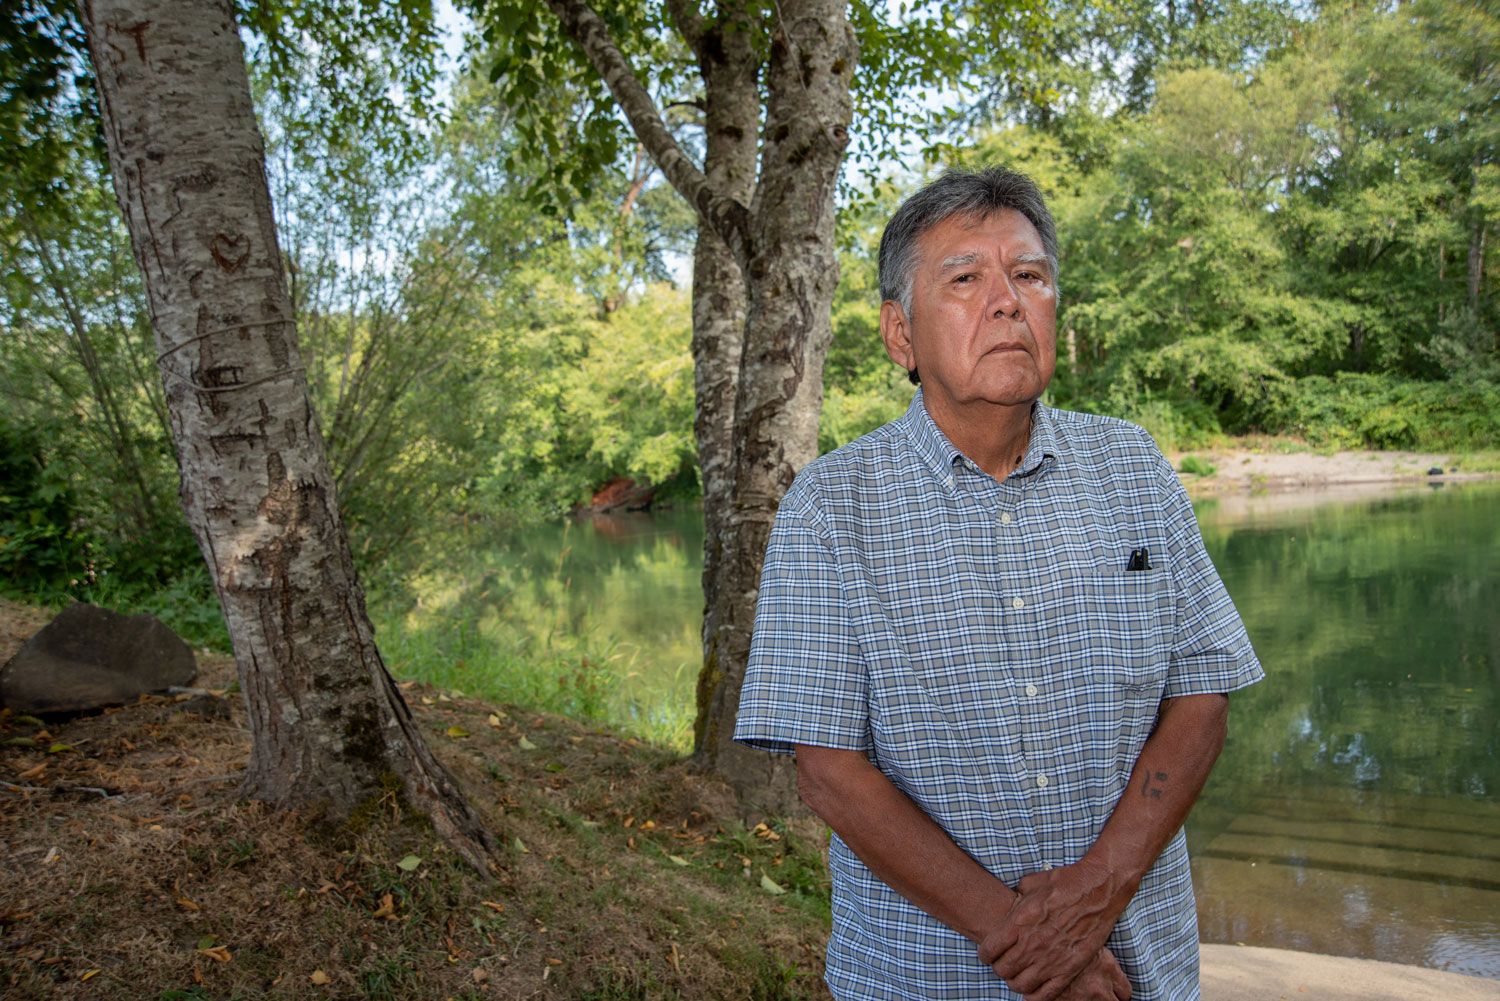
{"x":983,"y":323}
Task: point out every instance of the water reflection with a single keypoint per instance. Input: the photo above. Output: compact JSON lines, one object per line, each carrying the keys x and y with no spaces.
{"x":1356,"y":809}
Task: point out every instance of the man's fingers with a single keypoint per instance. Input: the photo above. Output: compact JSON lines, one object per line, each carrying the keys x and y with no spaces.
{"x":997,"y":943}
{"x":1049,"y":991}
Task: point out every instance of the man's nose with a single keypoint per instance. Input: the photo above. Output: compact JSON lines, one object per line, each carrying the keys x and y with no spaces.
{"x":1005,"y":301}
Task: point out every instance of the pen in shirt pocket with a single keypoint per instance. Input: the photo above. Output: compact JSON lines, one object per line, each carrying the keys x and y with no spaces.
{"x":1140,"y":559}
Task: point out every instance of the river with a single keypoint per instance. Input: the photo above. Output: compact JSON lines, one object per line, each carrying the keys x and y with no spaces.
{"x":1356,"y":808}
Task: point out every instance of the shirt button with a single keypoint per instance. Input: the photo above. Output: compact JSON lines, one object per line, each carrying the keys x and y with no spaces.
{"x":1046,"y":866}
{"x":1005,"y":519}
{"x":1041,"y":780}
{"x":1030,"y":689}
{"x":1017,"y":602}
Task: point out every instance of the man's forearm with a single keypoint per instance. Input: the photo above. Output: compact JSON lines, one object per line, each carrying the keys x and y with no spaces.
{"x":1164,"y":785}
{"x":1066,"y":914}
{"x":899,"y":842}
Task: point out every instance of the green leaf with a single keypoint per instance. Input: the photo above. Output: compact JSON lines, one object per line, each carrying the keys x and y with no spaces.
{"x":770,"y":885}
{"x":409,"y":863}
{"x":525,"y":744}
{"x":682,"y":861}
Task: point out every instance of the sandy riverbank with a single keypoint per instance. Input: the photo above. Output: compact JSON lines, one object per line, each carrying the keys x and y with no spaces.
{"x":1249,"y":476}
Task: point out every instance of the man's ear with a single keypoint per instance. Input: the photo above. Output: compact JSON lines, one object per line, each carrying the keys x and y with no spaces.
{"x":895,"y":331}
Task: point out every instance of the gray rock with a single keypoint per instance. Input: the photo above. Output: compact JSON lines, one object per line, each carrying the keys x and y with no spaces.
{"x":90,"y":657}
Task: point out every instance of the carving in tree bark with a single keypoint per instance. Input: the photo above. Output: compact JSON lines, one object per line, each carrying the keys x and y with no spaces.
{"x":328,"y":726}
{"x":782,"y":243}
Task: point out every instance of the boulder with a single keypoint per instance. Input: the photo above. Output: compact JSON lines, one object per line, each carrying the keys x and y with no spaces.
{"x":88,"y":657}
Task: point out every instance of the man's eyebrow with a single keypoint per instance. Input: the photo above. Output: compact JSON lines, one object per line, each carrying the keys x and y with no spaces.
{"x":1033,"y":259}
{"x":959,"y":261}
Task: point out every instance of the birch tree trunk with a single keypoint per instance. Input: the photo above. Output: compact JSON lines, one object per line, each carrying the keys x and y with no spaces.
{"x":791,"y":273}
{"x":328,"y":727}
{"x":730,"y":70}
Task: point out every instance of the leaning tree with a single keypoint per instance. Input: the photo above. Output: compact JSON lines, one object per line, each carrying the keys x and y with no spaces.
{"x":328,"y":725}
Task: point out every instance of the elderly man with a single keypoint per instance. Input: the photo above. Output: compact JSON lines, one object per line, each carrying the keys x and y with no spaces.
{"x":991,"y":635}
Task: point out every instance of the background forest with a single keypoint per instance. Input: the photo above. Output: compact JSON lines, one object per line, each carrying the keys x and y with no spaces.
{"x":1274,"y":219}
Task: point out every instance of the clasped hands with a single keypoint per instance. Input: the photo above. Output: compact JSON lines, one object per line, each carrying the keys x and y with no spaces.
{"x":1050,"y":945}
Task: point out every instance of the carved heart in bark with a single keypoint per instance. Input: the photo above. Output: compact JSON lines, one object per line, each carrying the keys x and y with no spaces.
{"x":230,"y":253}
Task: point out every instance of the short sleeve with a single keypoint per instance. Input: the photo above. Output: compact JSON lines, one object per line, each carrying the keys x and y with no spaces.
{"x":805,"y":682}
{"x":1211,"y":652}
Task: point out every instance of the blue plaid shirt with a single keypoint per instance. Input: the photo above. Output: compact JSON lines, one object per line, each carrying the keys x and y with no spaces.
{"x":983,"y":643}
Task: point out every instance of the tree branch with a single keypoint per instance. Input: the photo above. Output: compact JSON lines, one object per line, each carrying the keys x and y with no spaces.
{"x":727,"y":217}
{"x":689,"y":22}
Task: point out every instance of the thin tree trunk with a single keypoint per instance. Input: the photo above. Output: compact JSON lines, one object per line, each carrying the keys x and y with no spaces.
{"x":730,"y":69}
{"x":1476,"y":264}
{"x":328,"y":726}
{"x":114,"y":423}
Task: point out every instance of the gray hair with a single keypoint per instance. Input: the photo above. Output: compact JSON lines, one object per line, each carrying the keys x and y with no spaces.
{"x":957,"y":193}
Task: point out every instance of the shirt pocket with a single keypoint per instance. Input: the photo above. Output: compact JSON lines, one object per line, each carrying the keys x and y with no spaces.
{"x":1107,"y":651}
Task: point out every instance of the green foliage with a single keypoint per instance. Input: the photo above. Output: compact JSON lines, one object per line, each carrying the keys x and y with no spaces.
{"x":1359,"y":410}
{"x":1317,"y":205}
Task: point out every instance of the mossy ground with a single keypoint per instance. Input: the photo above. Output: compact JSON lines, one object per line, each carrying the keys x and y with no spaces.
{"x":133,"y":870}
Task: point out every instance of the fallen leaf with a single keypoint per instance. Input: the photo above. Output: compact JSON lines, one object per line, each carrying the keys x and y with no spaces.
{"x":649,"y":825}
{"x":387,"y":908}
{"x":188,"y":905}
{"x":479,"y":975}
{"x":318,"y":977}
{"x":19,"y":742}
{"x":492,"y":905}
{"x":676,"y":965}
{"x":409,"y":863}
{"x":29,"y":720}
{"x":90,"y":974}
{"x":218,"y":953}
{"x":456,"y":731}
{"x":525,"y":744}
{"x":494,"y":720}
{"x":521,"y":847}
{"x":32,"y":773}
{"x":554,"y":962}
{"x":678,"y":859}
{"x":770,"y":885}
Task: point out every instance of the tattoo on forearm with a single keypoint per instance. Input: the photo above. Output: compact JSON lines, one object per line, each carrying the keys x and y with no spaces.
{"x":1151,"y":788}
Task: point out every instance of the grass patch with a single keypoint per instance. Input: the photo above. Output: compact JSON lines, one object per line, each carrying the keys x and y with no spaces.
{"x":1195,"y":466}
{"x":1478,"y":462}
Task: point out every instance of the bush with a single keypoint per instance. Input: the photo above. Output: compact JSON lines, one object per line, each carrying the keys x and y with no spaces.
{"x":1361,"y":410}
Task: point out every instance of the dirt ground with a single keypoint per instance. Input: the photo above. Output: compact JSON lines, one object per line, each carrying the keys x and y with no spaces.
{"x":1246,"y":465}
{"x":130,"y":869}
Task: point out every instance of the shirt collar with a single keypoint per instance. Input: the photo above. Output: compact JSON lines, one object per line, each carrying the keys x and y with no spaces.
{"x":939,"y":454}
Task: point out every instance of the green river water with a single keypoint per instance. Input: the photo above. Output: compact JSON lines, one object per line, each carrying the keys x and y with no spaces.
{"x":1356,"y":808}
